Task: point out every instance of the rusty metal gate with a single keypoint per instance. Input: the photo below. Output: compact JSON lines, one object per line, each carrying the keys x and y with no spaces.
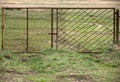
{"x":14,"y":30}
{"x":77,"y":29}
{"x":26,"y":30}
{"x":87,"y":29}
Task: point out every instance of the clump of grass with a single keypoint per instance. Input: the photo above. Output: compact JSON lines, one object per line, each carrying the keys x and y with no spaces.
{"x":6,"y":55}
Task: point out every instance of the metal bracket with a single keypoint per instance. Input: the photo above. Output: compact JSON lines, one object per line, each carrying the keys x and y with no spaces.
{"x":115,"y":12}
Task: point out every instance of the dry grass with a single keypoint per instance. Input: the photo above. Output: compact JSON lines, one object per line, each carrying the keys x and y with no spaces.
{"x":60,"y":3}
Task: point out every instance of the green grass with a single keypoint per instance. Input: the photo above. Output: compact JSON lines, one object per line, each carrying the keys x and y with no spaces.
{"x":50,"y":64}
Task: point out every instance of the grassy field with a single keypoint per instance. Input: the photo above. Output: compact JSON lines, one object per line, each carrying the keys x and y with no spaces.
{"x":51,"y":65}
{"x":59,"y":66}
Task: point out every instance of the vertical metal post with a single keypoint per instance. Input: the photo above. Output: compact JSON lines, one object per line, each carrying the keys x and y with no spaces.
{"x":2,"y":28}
{"x":117,"y":26}
{"x":27,"y":31}
{"x":51,"y":28}
{"x":114,"y":29}
{"x":56,"y":28}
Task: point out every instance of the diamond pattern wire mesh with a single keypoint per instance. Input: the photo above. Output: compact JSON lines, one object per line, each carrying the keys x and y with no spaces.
{"x":85,"y":30}
{"x":15,"y":30}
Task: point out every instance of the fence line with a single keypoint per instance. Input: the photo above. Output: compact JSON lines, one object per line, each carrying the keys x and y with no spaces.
{"x":78,"y":29}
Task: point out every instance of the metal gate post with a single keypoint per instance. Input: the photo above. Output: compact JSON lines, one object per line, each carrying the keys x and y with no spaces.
{"x":114,"y":27}
{"x":51,"y":28}
{"x":117,"y":26}
{"x":56,"y":28}
{"x":27,"y":31}
{"x":2,"y":28}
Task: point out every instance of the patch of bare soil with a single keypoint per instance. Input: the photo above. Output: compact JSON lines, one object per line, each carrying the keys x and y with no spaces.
{"x":117,"y":80}
{"x":75,"y":78}
{"x":13,"y":76}
{"x":117,"y":46}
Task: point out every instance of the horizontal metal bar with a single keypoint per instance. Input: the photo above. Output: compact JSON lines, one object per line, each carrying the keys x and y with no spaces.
{"x":89,"y":52}
{"x":58,"y":8}
{"x":52,"y":33}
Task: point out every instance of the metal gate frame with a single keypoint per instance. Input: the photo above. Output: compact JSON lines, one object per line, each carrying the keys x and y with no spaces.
{"x":27,"y":25}
{"x":115,"y":27}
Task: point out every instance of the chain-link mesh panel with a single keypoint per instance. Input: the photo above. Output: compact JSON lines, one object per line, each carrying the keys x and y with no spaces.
{"x":85,"y":30}
{"x":39,"y":29}
{"x":15,"y":30}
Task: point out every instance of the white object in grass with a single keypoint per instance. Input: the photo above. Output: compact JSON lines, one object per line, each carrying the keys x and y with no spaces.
{"x":99,"y":27}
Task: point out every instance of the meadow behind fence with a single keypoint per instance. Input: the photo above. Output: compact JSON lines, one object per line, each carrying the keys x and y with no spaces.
{"x":77,"y":29}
